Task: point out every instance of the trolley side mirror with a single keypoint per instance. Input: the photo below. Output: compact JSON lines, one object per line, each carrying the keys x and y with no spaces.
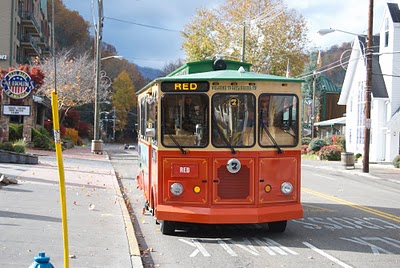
{"x":199,"y":133}
{"x":150,"y":132}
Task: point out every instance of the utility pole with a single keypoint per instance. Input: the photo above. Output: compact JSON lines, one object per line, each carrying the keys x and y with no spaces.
{"x":114,"y":118}
{"x":368,"y":85}
{"x":313,"y":104}
{"x":97,"y":145}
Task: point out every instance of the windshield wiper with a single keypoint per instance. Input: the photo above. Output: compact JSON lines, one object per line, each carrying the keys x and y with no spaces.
{"x":264,"y":127}
{"x":183,"y":151}
{"x":288,"y":132}
{"x":222,"y":135}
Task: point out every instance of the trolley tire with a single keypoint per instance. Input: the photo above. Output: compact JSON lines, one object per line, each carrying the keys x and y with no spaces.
{"x":167,"y":227}
{"x":277,"y":226}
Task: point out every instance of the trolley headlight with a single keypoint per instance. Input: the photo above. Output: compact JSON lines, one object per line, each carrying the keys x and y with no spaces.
{"x":176,"y":188}
{"x":286,"y":188}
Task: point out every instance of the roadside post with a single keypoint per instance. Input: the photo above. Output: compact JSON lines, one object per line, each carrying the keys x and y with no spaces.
{"x":60,"y":164}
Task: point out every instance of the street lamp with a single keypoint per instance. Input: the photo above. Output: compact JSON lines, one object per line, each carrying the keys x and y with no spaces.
{"x":330,"y":30}
{"x":112,"y":57}
{"x":368,"y":82}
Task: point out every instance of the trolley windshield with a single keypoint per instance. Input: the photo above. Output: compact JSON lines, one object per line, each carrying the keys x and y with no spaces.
{"x":233,"y":120}
{"x":184,"y":120}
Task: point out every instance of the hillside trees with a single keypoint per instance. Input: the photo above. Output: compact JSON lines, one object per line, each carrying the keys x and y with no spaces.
{"x":114,"y":67}
{"x":72,"y":32}
{"x":274,"y":34}
{"x":336,"y":60}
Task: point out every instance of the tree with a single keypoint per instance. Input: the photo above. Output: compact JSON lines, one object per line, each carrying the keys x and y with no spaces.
{"x":114,"y":67}
{"x":309,"y":68}
{"x":124,"y":98}
{"x":171,"y":66}
{"x":75,"y":79}
{"x":274,"y":34}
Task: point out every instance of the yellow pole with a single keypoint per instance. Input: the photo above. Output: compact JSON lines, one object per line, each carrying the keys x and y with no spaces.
{"x":57,"y":140}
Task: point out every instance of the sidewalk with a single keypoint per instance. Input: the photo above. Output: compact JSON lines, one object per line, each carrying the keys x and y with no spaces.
{"x":100,"y":232}
{"x":380,"y":171}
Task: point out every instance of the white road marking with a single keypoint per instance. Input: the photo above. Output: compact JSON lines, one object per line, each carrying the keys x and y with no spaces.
{"x":375,"y":249}
{"x":248,"y":247}
{"x":226,"y":247}
{"x":326,"y":255}
{"x":199,"y":248}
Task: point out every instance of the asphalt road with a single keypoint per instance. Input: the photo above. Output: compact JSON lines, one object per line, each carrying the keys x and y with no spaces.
{"x":349,"y":221}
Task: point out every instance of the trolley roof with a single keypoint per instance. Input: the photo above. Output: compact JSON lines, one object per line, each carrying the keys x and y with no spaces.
{"x":203,"y":71}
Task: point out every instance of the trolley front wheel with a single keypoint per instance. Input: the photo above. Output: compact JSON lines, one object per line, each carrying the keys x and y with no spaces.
{"x":167,"y":227}
{"x":277,"y":226}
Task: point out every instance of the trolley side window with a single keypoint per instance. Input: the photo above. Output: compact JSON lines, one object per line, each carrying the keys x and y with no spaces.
{"x":184,"y":120}
{"x":151,"y":118}
{"x":278,"y":119}
{"x":233,"y":120}
{"x":142,"y":111}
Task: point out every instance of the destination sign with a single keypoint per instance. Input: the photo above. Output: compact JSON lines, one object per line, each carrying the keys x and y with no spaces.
{"x":200,"y":86}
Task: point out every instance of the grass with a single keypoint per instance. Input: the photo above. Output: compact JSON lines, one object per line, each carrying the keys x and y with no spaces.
{"x":309,"y":156}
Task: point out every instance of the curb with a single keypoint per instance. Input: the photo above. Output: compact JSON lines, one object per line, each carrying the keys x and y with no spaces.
{"x":134,"y":250}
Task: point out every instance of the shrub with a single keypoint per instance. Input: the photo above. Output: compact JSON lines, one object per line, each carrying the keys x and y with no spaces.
{"x":7,"y":146}
{"x":396,"y":162}
{"x":340,"y":141}
{"x":83,"y":130}
{"x":41,"y":142}
{"x":19,"y":146}
{"x":15,"y":132}
{"x":72,"y":134}
{"x":306,"y":140}
{"x":330,"y":152}
{"x":316,"y":144}
{"x":41,"y":139}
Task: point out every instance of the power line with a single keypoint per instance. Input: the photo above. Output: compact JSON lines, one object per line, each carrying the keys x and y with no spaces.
{"x":144,"y":25}
{"x":323,"y":69}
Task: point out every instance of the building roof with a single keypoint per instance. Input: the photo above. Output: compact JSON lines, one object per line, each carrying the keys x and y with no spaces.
{"x":378,"y":87}
{"x":378,"y":83}
{"x":394,"y":11}
{"x":327,"y":85}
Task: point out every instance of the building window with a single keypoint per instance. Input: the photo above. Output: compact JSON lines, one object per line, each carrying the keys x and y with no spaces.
{"x":386,"y":32}
{"x":386,"y":39}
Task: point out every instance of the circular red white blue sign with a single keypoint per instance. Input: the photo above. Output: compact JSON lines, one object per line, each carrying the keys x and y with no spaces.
{"x":17,"y":84}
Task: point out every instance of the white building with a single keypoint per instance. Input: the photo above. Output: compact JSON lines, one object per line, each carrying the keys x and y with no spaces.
{"x":385,"y":101}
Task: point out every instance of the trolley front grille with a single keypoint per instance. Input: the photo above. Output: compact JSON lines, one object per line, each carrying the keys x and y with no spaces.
{"x":233,"y":185}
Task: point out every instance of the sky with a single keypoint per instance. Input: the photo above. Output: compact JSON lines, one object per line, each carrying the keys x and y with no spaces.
{"x":154,"y":47}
